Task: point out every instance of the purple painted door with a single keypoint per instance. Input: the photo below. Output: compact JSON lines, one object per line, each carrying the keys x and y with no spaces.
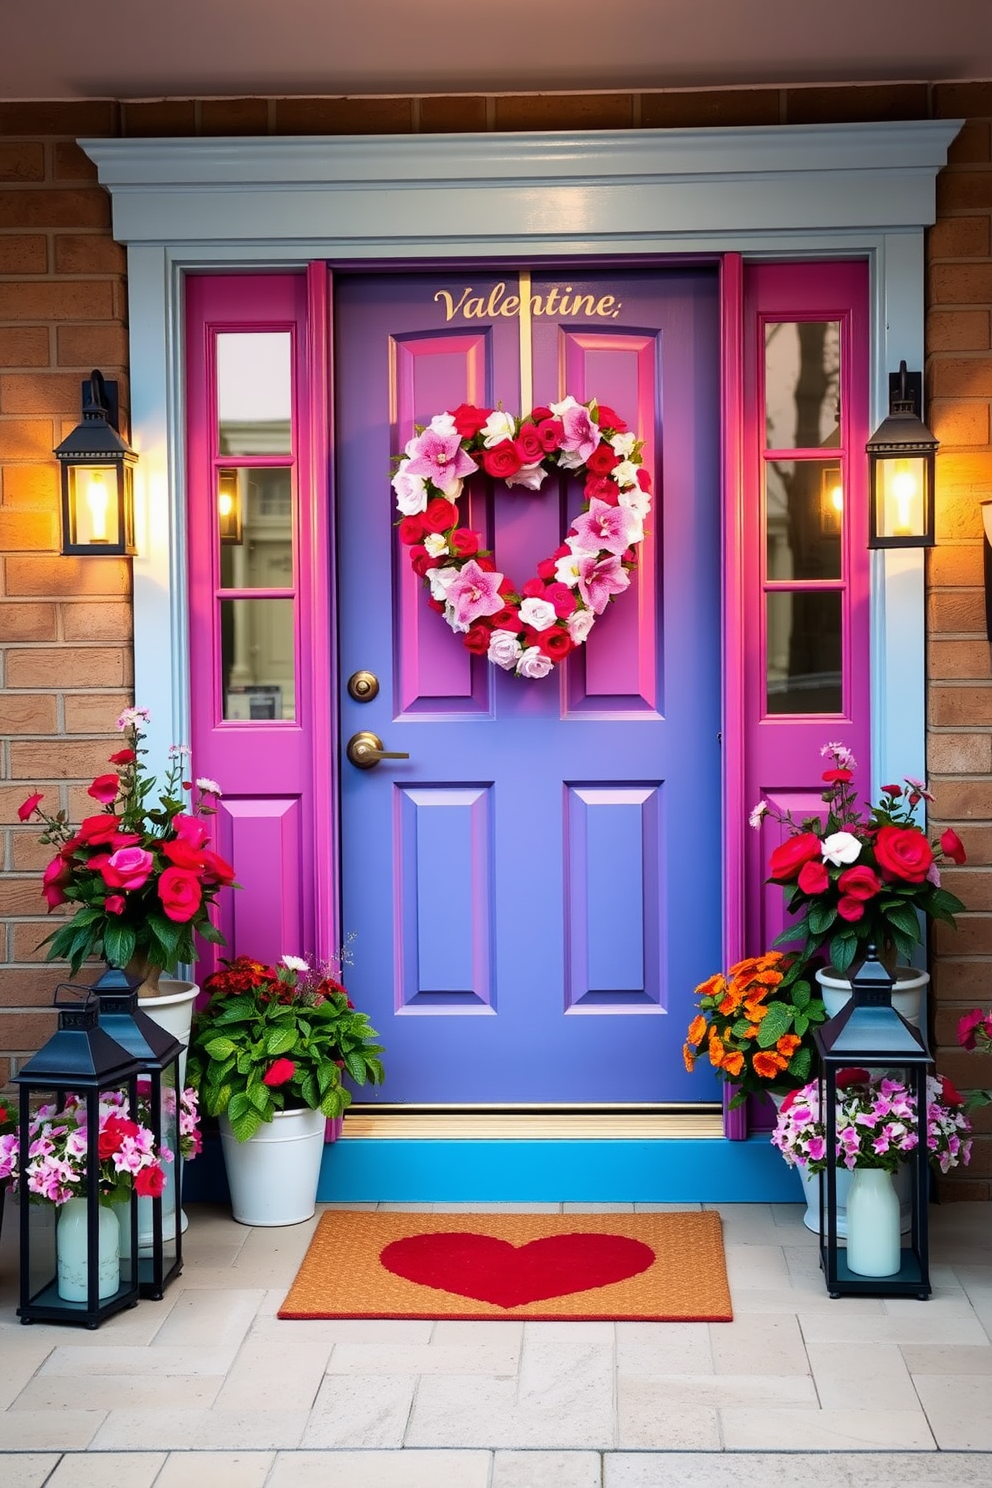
{"x":537,"y":889}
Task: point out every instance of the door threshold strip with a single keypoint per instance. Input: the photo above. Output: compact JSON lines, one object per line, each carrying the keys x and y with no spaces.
{"x":530,"y":1126}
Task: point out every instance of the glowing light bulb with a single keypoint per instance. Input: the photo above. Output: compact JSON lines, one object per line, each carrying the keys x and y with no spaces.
{"x":837,"y":498}
{"x":225,"y":503}
{"x":98,"y":503}
{"x":904,"y":490}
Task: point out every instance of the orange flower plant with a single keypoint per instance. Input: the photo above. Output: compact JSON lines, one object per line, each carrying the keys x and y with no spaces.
{"x":755,"y":1025}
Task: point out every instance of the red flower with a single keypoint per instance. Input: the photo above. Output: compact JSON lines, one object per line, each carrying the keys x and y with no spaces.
{"x":528,"y":445}
{"x":112,"y":1134}
{"x":852,"y":1076}
{"x":469,"y":419}
{"x":533,"y":589}
{"x":952,"y":846}
{"x":183,"y":854}
{"x":814,"y":878}
{"x":279,"y":1072}
{"x":440,"y":515}
{"x":477,"y":638}
{"x":114,"y":904}
{"x":94,"y":831}
{"x":128,"y":868}
{"x":850,"y":909}
{"x":191,"y":829}
{"x":435,"y":605}
{"x":411,"y":530}
{"x":502,"y":460}
{"x":149,"y":1182}
{"x":549,"y":431}
{"x":463,"y":542}
{"x":54,"y":879}
{"x":215,"y":869}
{"x":180,"y":893}
{"x":952,"y":1096}
{"x":539,"y":414}
{"x":123,"y":757}
{"x":562,"y":598}
{"x":27,"y":807}
{"x":602,"y":459}
{"x":644,"y":478}
{"x":835,"y":777}
{"x":555,"y":643}
{"x":601,"y":488}
{"x":892,"y":790}
{"x":610,"y":420}
{"x":967,"y":1027}
{"x":861,"y":882}
{"x":421,"y":561}
{"x":786,"y":860}
{"x":547,"y":569}
{"x":104,"y":789}
{"x":903,"y":852}
{"x":507,"y":618}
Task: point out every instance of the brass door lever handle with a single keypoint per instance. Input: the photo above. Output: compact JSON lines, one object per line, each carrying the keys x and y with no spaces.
{"x":365,"y":750}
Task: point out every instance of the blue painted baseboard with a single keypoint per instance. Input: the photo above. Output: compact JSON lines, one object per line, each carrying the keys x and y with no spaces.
{"x":676,"y":1172}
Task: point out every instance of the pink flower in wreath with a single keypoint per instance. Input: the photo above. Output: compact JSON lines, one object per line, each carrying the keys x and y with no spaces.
{"x":580,"y":435}
{"x":472,"y":594}
{"x":599,"y":579}
{"x":603,"y":526}
{"x":439,"y":458}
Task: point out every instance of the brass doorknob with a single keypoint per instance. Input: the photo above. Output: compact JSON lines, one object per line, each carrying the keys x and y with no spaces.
{"x":365,"y":750}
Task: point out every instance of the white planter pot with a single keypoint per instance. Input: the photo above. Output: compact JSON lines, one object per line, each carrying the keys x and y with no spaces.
{"x":873,"y":1224}
{"x":273,"y":1176}
{"x":907,"y":994}
{"x":72,"y":1251}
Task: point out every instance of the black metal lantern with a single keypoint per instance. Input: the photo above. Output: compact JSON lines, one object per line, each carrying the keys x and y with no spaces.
{"x":869,"y":1032}
{"x":230,"y":510}
{"x":97,"y":477}
{"x":901,"y":465}
{"x":71,"y":1268}
{"x":160,"y":1244}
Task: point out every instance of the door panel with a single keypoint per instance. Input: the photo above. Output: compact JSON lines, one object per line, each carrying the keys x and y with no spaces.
{"x":537,"y":890}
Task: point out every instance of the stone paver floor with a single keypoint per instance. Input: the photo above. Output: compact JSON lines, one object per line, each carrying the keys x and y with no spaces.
{"x":209,"y":1387}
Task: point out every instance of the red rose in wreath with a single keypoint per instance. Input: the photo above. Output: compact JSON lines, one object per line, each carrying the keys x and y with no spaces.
{"x":530,"y":629}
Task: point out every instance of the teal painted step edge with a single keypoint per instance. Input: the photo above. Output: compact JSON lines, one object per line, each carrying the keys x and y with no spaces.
{"x":678,"y":1172}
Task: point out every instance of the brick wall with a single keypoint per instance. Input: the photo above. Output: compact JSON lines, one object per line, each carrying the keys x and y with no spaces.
{"x":64,"y":624}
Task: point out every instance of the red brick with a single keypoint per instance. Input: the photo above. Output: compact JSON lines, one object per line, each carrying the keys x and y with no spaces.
{"x":27,"y":439}
{"x":20,"y":896}
{"x":32,"y":487}
{"x":958,"y":330}
{"x":955,"y":660}
{"x":700,"y":109}
{"x":75,"y":577}
{"x":234,"y":116}
{"x":960,"y":800}
{"x":24,"y":346}
{"x":970,"y":471}
{"x":26,"y":941}
{"x":28,"y":1031}
{"x":952,"y":1189}
{"x":22,"y":254}
{"x":86,"y":346}
{"x":959,"y":754}
{"x":962,"y":610}
{"x":964,"y":982}
{"x":93,"y":712}
{"x":22,"y":161}
{"x":973,"y":937}
{"x":96,"y":622}
{"x":40,"y":392}
{"x":960,"y":422}
{"x":956,"y":564}
{"x":73,"y":299}
{"x":77,"y":118}
{"x":160,"y":117}
{"x":451,"y":115}
{"x":962,"y":100}
{"x":28,"y":532}
{"x":68,"y":666}
{"x":963,"y":190}
{"x":959,"y":237}
{"x":30,"y":713}
{"x":958,"y":512}
{"x":27,"y":622}
{"x":960,"y":707}
{"x":565,"y":111}
{"x":89,"y":253}
{"x":965,"y":377}
{"x":961,"y":284}
{"x":71,"y":206}
{"x":72,"y":163}
{"x":28,"y":855}
{"x":58,"y":759}
{"x":853,"y":104}
{"x":343,"y":116}
{"x":973,"y":887}
{"x":971,"y":147}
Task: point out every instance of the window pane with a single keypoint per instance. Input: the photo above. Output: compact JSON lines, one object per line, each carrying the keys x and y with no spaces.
{"x":255,"y":519}
{"x":254,"y":397}
{"x":803,"y":641}
{"x":804,"y":513}
{"x":802,"y":384}
{"x":258,"y":658}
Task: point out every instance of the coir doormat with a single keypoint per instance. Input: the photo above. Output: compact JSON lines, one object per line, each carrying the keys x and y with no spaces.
{"x":626,"y":1267}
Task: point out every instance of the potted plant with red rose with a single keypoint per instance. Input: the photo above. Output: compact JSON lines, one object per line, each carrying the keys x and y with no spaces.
{"x":140,"y":874}
{"x":859,"y":876}
{"x":269,"y":1054}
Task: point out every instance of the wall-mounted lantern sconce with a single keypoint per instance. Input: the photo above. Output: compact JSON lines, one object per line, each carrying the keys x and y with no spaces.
{"x":987,"y":545}
{"x":97,"y":478}
{"x":230,"y":515}
{"x":901,"y":463}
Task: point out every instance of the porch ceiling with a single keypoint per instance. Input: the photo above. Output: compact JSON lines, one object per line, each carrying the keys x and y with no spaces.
{"x":61,"y":50}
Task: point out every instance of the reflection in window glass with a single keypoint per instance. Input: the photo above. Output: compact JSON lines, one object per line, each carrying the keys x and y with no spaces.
{"x":802,"y":384}
{"x":255,"y":521}
{"x":254,"y":393}
{"x":804,"y":512}
{"x":803,"y":651}
{"x":258,"y":658}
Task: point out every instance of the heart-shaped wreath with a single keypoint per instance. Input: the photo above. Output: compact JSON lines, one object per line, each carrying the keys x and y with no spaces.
{"x":527,"y":631}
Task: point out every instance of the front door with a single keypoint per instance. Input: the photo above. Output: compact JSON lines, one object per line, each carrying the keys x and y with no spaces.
{"x":536,"y":890}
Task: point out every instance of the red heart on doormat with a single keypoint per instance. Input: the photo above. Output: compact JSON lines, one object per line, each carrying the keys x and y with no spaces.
{"x":491,"y":1270}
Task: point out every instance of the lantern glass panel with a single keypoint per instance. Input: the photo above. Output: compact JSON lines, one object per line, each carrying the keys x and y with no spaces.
{"x":94,"y":508}
{"x":900,"y":487}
